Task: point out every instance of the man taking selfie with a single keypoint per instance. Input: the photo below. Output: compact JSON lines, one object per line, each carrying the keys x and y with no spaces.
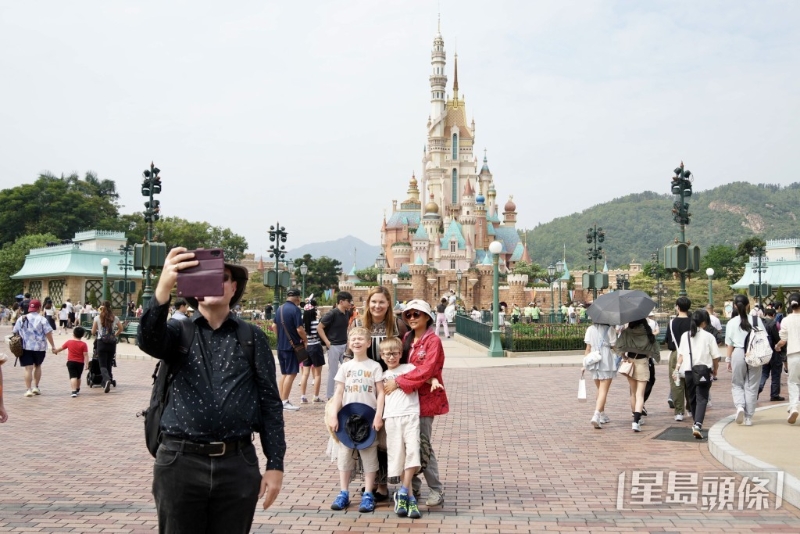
{"x":206,"y":476}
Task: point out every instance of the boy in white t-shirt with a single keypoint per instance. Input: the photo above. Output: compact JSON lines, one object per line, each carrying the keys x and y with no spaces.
{"x":401,"y":414}
{"x":358,"y":380}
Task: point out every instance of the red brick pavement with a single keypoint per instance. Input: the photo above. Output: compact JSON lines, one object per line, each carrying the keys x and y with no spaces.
{"x":517,"y":454}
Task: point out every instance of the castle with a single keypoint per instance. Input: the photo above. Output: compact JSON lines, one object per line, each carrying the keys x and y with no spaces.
{"x":460,"y":217}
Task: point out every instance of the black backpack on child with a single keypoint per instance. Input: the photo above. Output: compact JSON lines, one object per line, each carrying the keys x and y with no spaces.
{"x":164,"y":374}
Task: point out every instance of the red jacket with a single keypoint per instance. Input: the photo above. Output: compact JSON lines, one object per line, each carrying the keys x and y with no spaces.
{"x":428,"y":358}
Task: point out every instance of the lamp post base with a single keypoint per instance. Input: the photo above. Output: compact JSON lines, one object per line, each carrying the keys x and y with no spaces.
{"x":495,"y":346}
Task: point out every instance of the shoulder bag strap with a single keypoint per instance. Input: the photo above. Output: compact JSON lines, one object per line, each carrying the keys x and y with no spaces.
{"x":672,"y":332}
{"x":283,"y":324}
{"x":689,"y":340}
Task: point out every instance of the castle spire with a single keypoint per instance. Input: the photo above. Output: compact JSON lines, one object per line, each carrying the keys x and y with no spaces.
{"x":455,"y":78}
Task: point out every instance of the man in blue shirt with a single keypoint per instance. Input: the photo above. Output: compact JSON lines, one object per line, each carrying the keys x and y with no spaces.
{"x":288,"y":326}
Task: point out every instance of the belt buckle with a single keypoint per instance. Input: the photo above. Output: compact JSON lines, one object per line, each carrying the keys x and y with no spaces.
{"x":219,"y":443}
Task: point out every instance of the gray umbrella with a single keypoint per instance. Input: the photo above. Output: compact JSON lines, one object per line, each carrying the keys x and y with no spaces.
{"x":620,"y":307}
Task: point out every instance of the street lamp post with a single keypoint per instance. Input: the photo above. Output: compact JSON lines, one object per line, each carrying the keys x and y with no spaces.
{"x":150,"y":186}
{"x":551,"y":271}
{"x":710,"y":274}
{"x":655,"y":272}
{"x":277,"y":235}
{"x":125,"y":265}
{"x":559,"y":272}
{"x":594,"y":236}
{"x":380,"y":263}
{"x":459,"y":276}
{"x":105,"y":263}
{"x":495,"y":346}
{"x":395,"y":281}
{"x":761,"y":267}
{"x":304,"y":272}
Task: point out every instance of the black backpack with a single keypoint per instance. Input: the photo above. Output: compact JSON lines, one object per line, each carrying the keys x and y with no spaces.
{"x":164,"y":374}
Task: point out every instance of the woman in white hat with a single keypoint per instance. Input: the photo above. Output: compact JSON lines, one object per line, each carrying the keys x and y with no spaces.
{"x":425,"y":353}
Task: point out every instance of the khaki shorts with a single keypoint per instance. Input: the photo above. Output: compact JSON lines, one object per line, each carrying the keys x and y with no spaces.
{"x":369,"y":458}
{"x":402,"y":442}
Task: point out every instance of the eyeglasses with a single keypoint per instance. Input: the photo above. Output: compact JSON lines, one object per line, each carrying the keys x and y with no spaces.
{"x":387,"y":354}
{"x":416,"y":314}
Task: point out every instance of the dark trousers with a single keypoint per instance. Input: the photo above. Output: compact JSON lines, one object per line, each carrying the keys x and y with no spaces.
{"x":105,"y":357}
{"x":697,"y":397}
{"x":203,"y":494}
{"x":649,"y":387}
{"x":774,"y":368}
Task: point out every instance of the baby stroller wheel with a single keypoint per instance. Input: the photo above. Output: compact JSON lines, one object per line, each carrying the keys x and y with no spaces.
{"x":89,"y":381}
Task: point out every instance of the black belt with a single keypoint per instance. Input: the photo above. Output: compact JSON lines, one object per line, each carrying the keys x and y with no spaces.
{"x":220,"y":449}
{"x":638,"y":356}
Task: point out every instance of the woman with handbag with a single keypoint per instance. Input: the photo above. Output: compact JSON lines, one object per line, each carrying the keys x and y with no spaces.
{"x":106,"y":327}
{"x":599,"y":360}
{"x":636,"y":344}
{"x":744,"y":379}
{"x":697,"y":356}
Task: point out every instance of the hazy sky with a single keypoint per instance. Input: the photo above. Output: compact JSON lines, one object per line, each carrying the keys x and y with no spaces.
{"x":313,"y":113}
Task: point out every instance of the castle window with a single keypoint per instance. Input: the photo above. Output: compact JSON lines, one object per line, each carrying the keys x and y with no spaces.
{"x":452,"y":246}
{"x":452,"y":264}
{"x":455,"y":186}
{"x":455,"y":147}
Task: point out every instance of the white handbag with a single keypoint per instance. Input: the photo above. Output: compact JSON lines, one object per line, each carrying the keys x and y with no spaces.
{"x":581,"y":388}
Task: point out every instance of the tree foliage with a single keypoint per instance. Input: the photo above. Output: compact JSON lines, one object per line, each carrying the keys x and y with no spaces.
{"x":723,"y":259}
{"x":323,"y":273}
{"x":175,"y":231}
{"x":59,"y":206}
{"x":370,"y":274}
{"x":533,"y":270}
{"x":12,"y":258}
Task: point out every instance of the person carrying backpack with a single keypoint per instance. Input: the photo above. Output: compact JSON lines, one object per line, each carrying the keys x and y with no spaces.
{"x":744,"y":379}
{"x":221,"y":389}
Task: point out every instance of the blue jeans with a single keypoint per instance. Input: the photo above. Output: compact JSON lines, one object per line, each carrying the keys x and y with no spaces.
{"x":204,"y":494}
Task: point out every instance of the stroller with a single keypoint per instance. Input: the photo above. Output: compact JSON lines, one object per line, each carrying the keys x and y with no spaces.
{"x":94,"y":377}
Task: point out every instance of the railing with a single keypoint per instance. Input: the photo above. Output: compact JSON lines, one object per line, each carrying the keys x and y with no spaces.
{"x":474,"y":330}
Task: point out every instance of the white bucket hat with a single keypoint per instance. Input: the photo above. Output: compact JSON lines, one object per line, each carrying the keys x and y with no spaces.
{"x":421,"y":305}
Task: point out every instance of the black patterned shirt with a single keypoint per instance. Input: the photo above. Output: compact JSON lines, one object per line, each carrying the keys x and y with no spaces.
{"x":216,"y":394}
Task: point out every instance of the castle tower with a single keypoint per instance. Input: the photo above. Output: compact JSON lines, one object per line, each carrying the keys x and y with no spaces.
{"x":467,"y":218}
{"x":438,"y":78}
{"x":481,"y":233}
{"x":510,"y":213}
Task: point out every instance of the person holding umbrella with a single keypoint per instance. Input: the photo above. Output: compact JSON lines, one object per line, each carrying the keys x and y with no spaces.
{"x":636,"y":343}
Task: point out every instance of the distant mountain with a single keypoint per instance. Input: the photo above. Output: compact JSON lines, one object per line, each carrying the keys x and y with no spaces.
{"x":344,"y":250}
{"x":638,"y":224}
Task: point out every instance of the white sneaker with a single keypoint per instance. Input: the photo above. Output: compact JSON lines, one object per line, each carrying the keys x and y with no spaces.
{"x":36,"y":391}
{"x":289,"y":406}
{"x":29,"y":393}
{"x":604,"y":418}
{"x":636,"y":427}
{"x":792,"y":417}
{"x":748,"y":421}
{"x":596,"y":420}
{"x":679,"y":417}
{"x":740,"y":416}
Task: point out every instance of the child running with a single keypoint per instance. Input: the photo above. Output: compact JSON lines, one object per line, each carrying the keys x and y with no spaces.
{"x":77,"y":358}
{"x":359,"y":380}
{"x":401,"y":414}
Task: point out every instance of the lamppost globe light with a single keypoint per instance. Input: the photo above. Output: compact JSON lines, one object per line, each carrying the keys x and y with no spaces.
{"x":551,"y":269}
{"x":105,"y":262}
{"x":303,"y":269}
{"x":394,"y":281}
{"x":709,"y":272}
{"x":495,"y":247}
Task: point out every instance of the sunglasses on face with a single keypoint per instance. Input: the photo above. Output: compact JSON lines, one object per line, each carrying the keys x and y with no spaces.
{"x":416,"y":314}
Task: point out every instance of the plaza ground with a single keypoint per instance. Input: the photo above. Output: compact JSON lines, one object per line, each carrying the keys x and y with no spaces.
{"x":516,"y":454}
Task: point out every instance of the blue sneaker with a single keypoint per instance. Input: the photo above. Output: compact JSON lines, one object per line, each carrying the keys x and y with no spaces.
{"x":413,"y":509}
{"x":341,"y":501}
{"x":367,"y":503}
{"x":401,"y":504}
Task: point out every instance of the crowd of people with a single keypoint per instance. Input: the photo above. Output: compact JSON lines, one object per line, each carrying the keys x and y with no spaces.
{"x":696,"y":345}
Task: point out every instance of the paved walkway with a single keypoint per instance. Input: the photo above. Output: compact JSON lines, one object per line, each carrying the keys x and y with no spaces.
{"x":516,"y":453}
